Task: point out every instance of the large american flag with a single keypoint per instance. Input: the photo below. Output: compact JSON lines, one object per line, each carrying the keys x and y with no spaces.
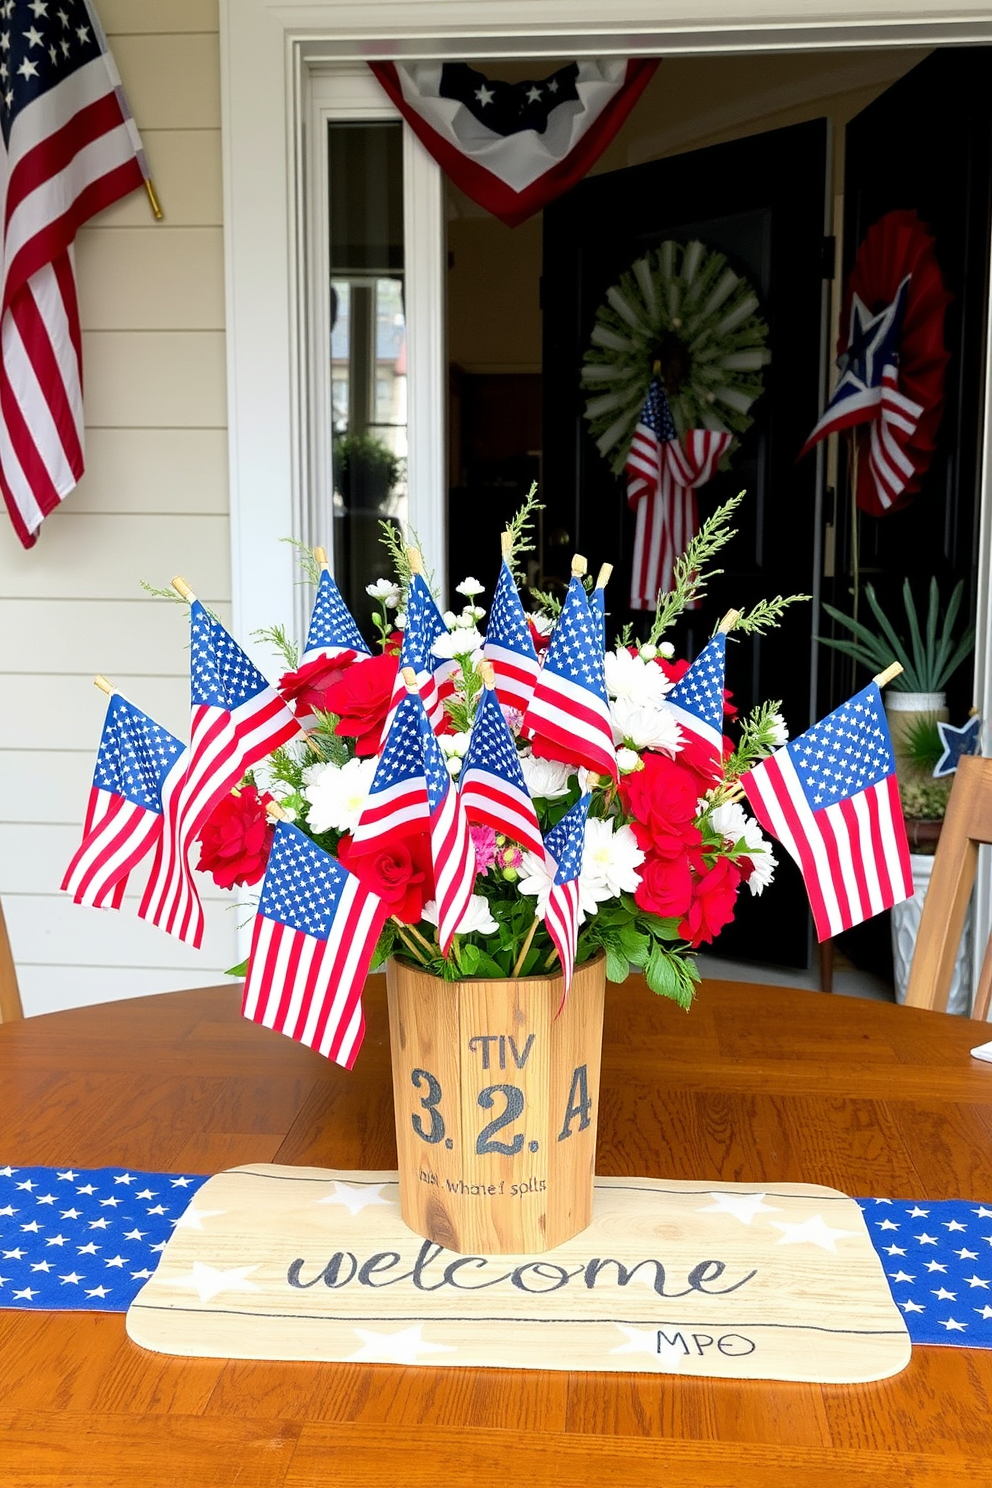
{"x":136,"y":763}
{"x":569,"y":711}
{"x":831,"y":798}
{"x":867,"y":391}
{"x":697,"y":700}
{"x":491,"y":784}
{"x":563,"y":849}
{"x":424,"y":624}
{"x":314,"y":937}
{"x":70,"y":149}
{"x":236,"y":720}
{"x":662,"y":477}
{"x":333,"y":633}
{"x":411,"y":790}
{"x":508,"y":645}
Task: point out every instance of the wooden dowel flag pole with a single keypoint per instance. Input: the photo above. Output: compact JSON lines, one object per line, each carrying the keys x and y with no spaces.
{"x":104,"y":685}
{"x":728,"y":622}
{"x":320,"y":554}
{"x":579,"y":566}
{"x":182,"y":589}
{"x":892,"y":670}
{"x":506,"y":543}
{"x":603,"y":577}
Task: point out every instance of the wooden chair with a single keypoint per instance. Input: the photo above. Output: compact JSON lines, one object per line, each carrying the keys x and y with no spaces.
{"x":10,"y":997}
{"x":967,"y":824}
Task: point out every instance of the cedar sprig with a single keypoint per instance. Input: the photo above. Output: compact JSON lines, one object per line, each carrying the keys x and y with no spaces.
{"x":691,"y":572}
{"x":389,"y":536}
{"x":521,"y":530}
{"x":766,"y":614}
{"x":760,"y":736}
{"x":304,"y":557}
{"x":282,"y":645}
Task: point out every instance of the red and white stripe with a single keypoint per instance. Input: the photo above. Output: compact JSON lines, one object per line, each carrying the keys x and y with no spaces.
{"x":661,"y":488}
{"x":117,"y":834}
{"x":311,"y":989}
{"x":562,"y":922}
{"x":575,"y":720}
{"x":393,"y":810}
{"x":890,"y":467}
{"x":454,"y":865}
{"x":223,"y":745}
{"x":516,"y":675}
{"x":494,"y":802}
{"x":427,"y":686}
{"x":72,"y":152}
{"x":853,"y":854}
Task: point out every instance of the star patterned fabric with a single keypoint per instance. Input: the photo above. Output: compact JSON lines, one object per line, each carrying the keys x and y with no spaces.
{"x":424,"y":625}
{"x":333,"y":632}
{"x":492,"y":786}
{"x":508,"y":645}
{"x":568,"y":714}
{"x":41,"y":45}
{"x":563,"y":849}
{"x":84,"y":1240}
{"x":697,"y":700}
{"x":937,"y":1258}
{"x":135,"y":755}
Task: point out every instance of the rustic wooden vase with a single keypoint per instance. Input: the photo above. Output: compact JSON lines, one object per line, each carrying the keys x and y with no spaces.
{"x":496,"y":1106}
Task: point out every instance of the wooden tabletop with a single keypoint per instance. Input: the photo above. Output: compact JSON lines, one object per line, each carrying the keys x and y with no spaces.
{"x":755,"y":1084}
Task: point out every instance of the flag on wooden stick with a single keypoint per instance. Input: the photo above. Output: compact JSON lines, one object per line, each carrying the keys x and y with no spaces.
{"x":563,"y":849}
{"x":70,"y":149}
{"x":491,"y":784}
{"x":508,"y":645}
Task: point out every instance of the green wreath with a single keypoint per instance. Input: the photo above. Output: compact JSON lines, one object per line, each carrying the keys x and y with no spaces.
{"x":683,"y":311}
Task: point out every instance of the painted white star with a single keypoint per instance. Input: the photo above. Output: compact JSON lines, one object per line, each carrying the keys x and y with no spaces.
{"x":42,"y":1266}
{"x":952,"y":1224}
{"x":209,"y":1281}
{"x":58,"y":1240}
{"x":911,"y":1307}
{"x":901,"y":1276}
{"x":396,"y":1348}
{"x":484,"y":95}
{"x":967,"y":1255}
{"x":985,"y":1312}
{"x":71,"y":1278}
{"x":943,"y":1295}
{"x":28,"y":1293}
{"x":355,"y":1199}
{"x":812,"y":1231}
{"x":8,"y":1172}
{"x":934,"y":1266}
{"x":951,"y":1325}
{"x":90,"y":1249}
{"x":70,"y":1213}
{"x":886,"y":1224}
{"x":926,"y":1239}
{"x":976,"y":1281}
{"x":100,"y":1224}
{"x":86,"y":1188}
{"x":117,"y":1260}
{"x":34,"y":1227}
{"x":44,"y":1198}
{"x":193,"y":1218}
{"x":534,"y":95}
{"x":981,"y":1211}
{"x":144,"y":1193}
{"x":98,"y":1291}
{"x":126,"y":1178}
{"x":8,"y":1209}
{"x":142,"y":1274}
{"x":742,"y":1206}
{"x":28,"y":1184}
{"x":157,"y":1209}
{"x":135,"y":1234}
{"x":181,"y":1182}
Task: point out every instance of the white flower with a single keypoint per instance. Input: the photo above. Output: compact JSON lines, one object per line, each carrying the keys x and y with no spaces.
{"x":454,"y":746}
{"x":760,"y":854}
{"x":336,"y":795}
{"x":667,"y":650}
{"x":778,"y":731}
{"x":610,"y":860}
{"x":543,"y":624}
{"x":536,"y":879}
{"x":628,"y":760}
{"x":545,"y":779}
{"x":400,"y":621}
{"x":476,"y":919}
{"x":457,"y":643}
{"x":450,"y":619}
{"x":647,"y":651}
{"x":470,"y":588}
{"x":643,"y":726}
{"x":453,"y":765}
{"x":385,"y":590}
{"x":729,"y":820}
{"x":633,"y":678}
{"x":473,"y":612}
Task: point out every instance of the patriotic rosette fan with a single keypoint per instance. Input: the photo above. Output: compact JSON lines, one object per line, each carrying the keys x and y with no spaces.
{"x":891,"y":362}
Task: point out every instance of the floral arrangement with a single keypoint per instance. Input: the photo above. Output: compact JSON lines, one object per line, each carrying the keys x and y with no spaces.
{"x":667,"y":845}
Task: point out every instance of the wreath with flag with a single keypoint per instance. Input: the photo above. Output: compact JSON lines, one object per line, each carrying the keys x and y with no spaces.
{"x":683,"y":310}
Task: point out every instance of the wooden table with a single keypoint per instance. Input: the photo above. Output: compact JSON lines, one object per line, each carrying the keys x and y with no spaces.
{"x":755,"y":1084}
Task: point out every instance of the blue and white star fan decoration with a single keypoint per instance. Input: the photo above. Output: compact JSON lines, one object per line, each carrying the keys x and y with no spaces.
{"x":508,"y":645}
{"x":333,"y":634}
{"x":956,"y":742}
{"x":697,"y":700}
{"x":86,"y":1239}
{"x":491,"y":784}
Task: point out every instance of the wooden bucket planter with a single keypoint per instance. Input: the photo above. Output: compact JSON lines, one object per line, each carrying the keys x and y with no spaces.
{"x":497,"y":1102}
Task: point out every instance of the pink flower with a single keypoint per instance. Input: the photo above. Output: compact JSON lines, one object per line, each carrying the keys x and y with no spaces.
{"x":484,"y":842}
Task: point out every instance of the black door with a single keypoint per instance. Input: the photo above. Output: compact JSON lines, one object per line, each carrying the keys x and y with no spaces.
{"x":760,"y":201}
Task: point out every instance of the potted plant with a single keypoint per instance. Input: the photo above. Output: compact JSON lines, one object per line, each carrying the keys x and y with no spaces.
{"x":366,"y":471}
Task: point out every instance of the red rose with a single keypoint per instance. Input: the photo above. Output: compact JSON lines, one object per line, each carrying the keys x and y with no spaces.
{"x":401,"y":873}
{"x":663,"y":798}
{"x":666,"y":884}
{"x":729,"y":706}
{"x":235,"y":839}
{"x":361,"y":701}
{"x":713,"y":898}
{"x":673,"y":670}
{"x":305,"y":690}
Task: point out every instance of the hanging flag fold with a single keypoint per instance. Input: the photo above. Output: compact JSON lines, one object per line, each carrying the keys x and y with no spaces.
{"x":491,"y":784}
{"x":569,"y":715}
{"x":563,"y":848}
{"x":508,"y":645}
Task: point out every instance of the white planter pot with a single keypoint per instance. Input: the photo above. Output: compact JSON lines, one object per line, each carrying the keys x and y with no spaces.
{"x":905,"y":926}
{"x":914,"y":702}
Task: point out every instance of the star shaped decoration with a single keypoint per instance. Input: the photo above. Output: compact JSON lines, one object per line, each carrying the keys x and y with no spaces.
{"x":984,"y":1312}
{"x":976,"y":1281}
{"x":895,"y":1250}
{"x":98,"y":1291}
{"x":648,"y":1341}
{"x":403,"y":1347}
{"x":484,"y":95}
{"x":926,"y":1239}
{"x":356,"y":1198}
{"x":955,"y":743}
{"x":886,"y":1224}
{"x":71,"y":1278}
{"x":27,"y":1293}
{"x":742,"y":1206}
{"x":952,"y":1224}
{"x":209,"y":1281}
{"x":901,"y":1276}
{"x":193,"y":1217}
{"x":812,"y":1231}
{"x":934,"y":1266}
{"x":911,"y":1307}
{"x":943,"y":1295}
{"x":951,"y":1325}
{"x":982,"y":1212}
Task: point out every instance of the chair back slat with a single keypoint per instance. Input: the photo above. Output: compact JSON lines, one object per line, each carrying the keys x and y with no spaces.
{"x":10,"y":995}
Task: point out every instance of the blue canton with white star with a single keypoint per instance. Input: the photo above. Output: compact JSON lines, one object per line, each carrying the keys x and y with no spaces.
{"x":221,"y":676}
{"x":656,"y":414}
{"x":576,"y":652}
{"x":873,"y":345}
{"x":845,"y":753}
{"x":303,"y":883}
{"x":956,"y":742}
{"x":937,"y":1258}
{"x":700,"y":692}
{"x":507,"y":625}
{"x":41,"y":43}
{"x":564,"y":843}
{"x":85,"y":1239}
{"x":424,"y":624}
{"x":491,"y":747}
{"x":331,"y":623}
{"x":135,"y":755}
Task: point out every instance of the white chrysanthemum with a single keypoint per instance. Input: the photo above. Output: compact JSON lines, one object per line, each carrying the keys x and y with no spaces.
{"x":778,"y":730}
{"x":454,"y":746}
{"x":386,"y":591}
{"x":337,"y":795}
{"x":400,"y":621}
{"x":729,"y":820}
{"x":646,"y":651}
{"x":470,"y":587}
{"x":460,"y":642}
{"x":535,"y":880}
{"x":628,"y":760}
{"x":545,"y":779}
{"x":643,"y":726}
{"x":450,"y":619}
{"x":610,"y":860}
{"x":633,"y":678}
{"x":760,"y":853}
{"x":477,"y":919}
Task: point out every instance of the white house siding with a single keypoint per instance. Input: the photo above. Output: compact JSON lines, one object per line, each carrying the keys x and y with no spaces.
{"x":153,"y":503}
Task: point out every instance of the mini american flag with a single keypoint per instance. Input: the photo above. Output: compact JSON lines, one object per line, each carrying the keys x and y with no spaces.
{"x":70,"y":148}
{"x":509,"y":646}
{"x":597,"y":608}
{"x":313,"y":940}
{"x":868,"y":392}
{"x":697,"y":700}
{"x":412,"y":789}
{"x":569,"y":710}
{"x":123,"y":822}
{"x":662,"y":478}
{"x":491,"y":783}
{"x":236,"y":720}
{"x":333,"y":632}
{"x":424,"y":623}
{"x":563,"y":854}
{"x":831,"y":799}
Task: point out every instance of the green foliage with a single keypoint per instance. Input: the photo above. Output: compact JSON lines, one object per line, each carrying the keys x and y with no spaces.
{"x":305,"y":558}
{"x":924,"y":800}
{"x":521,"y":530}
{"x":921,"y":743}
{"x":691,"y":574}
{"x":281,"y":644}
{"x":546,"y":603}
{"x":631,"y":937}
{"x":928,"y":659}
{"x":241,"y":970}
{"x":365,"y":469}
{"x":757,"y":738}
{"x":766,"y":614}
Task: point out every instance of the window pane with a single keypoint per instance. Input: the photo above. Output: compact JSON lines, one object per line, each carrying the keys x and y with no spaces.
{"x":368,"y":348}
